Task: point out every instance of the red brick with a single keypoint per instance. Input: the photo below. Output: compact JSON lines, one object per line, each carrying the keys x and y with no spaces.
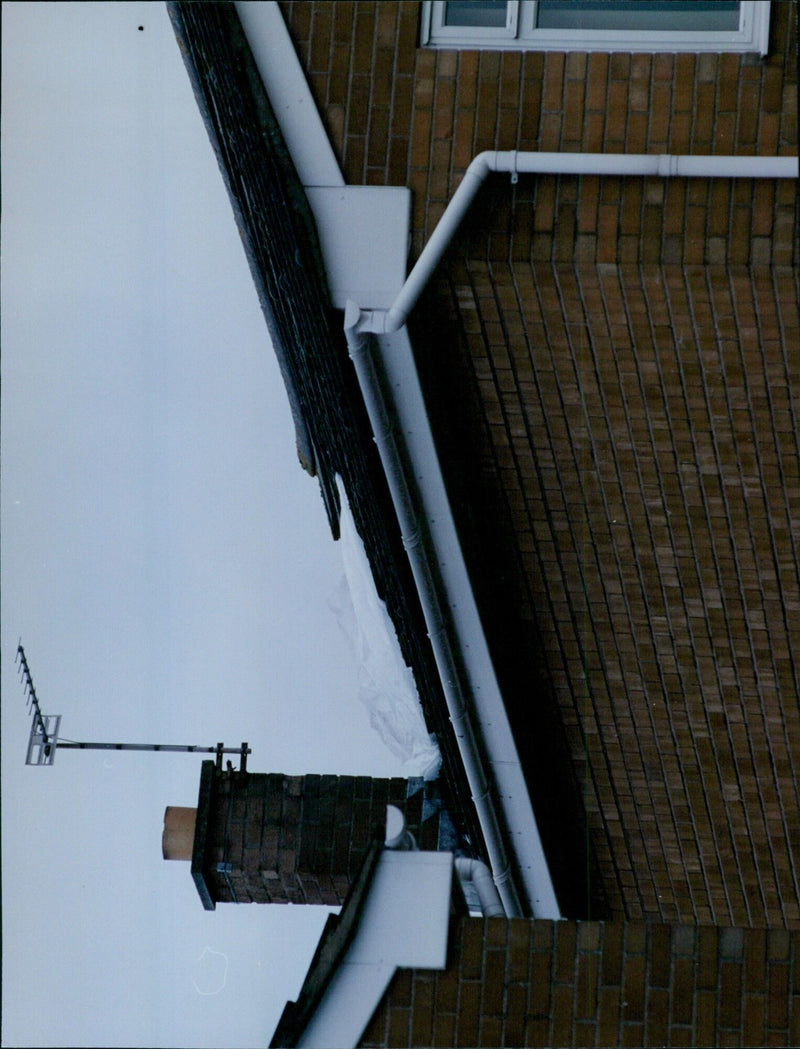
{"x":493,"y":983}
{"x":343,"y":22}
{"x":753,"y":1020}
{"x":539,"y":988}
{"x":682,"y":990}
{"x":553,"y":92}
{"x":586,"y":986}
{"x":561,"y":1017}
{"x":468,"y":1019}
{"x":444,"y":102}
{"x":321,"y":32}
{"x":399,"y":1023}
{"x":705,"y":1018}
{"x":471,"y":964}
{"x":361,"y":58}
{"x":730,"y":994}
{"x":514,"y":1016}
{"x":778,"y":996}
{"x":608,"y":1021}
{"x":444,"y":1029}
{"x":422,"y":1012}
{"x":518,"y":950}
{"x":634,"y":988}
{"x":771,"y":90}
{"x":406,"y":39}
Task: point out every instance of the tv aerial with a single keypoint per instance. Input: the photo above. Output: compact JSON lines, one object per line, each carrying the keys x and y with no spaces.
{"x":44,"y":737}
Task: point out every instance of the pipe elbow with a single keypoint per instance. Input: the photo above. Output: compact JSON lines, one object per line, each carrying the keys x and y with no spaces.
{"x":478,"y":874}
{"x":394,"y":319}
{"x":483,"y":163}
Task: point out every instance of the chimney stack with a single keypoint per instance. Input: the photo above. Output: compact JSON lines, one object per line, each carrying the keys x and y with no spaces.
{"x":269,"y":838}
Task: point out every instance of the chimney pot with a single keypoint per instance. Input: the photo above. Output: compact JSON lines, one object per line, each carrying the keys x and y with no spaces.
{"x":177,"y":839}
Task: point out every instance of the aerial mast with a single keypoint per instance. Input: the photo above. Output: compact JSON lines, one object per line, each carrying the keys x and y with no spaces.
{"x":44,"y":736}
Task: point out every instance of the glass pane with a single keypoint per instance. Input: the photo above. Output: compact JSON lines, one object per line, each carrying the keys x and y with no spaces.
{"x":490,"y":13}
{"x":664,"y":15}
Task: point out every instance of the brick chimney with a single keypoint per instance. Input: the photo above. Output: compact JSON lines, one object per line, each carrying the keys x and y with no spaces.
{"x":269,"y":838}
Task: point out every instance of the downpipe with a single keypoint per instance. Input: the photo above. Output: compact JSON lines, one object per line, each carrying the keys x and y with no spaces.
{"x":514,"y":163}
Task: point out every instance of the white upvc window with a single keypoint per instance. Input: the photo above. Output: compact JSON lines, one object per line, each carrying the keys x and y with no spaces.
{"x":597,"y":25}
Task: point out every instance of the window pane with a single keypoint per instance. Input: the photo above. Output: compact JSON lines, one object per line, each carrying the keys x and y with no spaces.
{"x":475,"y":13}
{"x":697,"y":15}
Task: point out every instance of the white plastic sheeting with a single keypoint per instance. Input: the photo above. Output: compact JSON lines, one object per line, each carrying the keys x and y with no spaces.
{"x":385,"y":683}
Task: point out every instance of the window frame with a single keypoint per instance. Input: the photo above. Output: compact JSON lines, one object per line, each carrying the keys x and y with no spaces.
{"x":521,"y":34}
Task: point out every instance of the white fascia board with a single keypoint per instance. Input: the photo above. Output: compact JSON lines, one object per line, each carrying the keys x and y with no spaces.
{"x":289,"y":93}
{"x":404,"y":924}
{"x":353,"y":995}
{"x":397,"y":361}
{"x":405,"y":917}
{"x":363,"y":230}
{"x":363,"y":233}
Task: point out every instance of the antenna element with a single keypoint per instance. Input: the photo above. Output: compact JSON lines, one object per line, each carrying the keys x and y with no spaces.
{"x":44,"y":728}
{"x":44,"y":739}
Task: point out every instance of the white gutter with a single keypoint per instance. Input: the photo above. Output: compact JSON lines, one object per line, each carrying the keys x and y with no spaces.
{"x":474,"y":701}
{"x":514,"y":164}
{"x":286,"y":85}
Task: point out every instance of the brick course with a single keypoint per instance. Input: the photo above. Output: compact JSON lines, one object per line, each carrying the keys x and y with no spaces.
{"x":593,"y":983}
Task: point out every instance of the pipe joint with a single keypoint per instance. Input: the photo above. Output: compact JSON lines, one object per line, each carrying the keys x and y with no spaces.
{"x":476,"y":873}
{"x":394,"y":318}
{"x":364,"y":322}
{"x":668,"y":165}
{"x":412,"y":539}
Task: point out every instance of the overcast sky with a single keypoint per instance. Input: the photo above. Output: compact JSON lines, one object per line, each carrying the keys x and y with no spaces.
{"x":164,"y":558}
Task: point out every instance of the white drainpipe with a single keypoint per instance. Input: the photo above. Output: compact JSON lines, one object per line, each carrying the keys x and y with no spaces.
{"x":425,"y":577}
{"x":514,"y":163}
{"x":476,"y":872}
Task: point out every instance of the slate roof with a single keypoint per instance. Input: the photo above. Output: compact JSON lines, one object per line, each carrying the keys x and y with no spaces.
{"x":333,"y":433}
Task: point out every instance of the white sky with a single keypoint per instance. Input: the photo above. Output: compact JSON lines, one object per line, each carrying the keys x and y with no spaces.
{"x":164,"y":558}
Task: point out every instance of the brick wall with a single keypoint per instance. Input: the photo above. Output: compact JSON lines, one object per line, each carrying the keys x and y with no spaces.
{"x":403,"y":115}
{"x":537,"y":983}
{"x":302,"y":839}
{"x":640,"y":424}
